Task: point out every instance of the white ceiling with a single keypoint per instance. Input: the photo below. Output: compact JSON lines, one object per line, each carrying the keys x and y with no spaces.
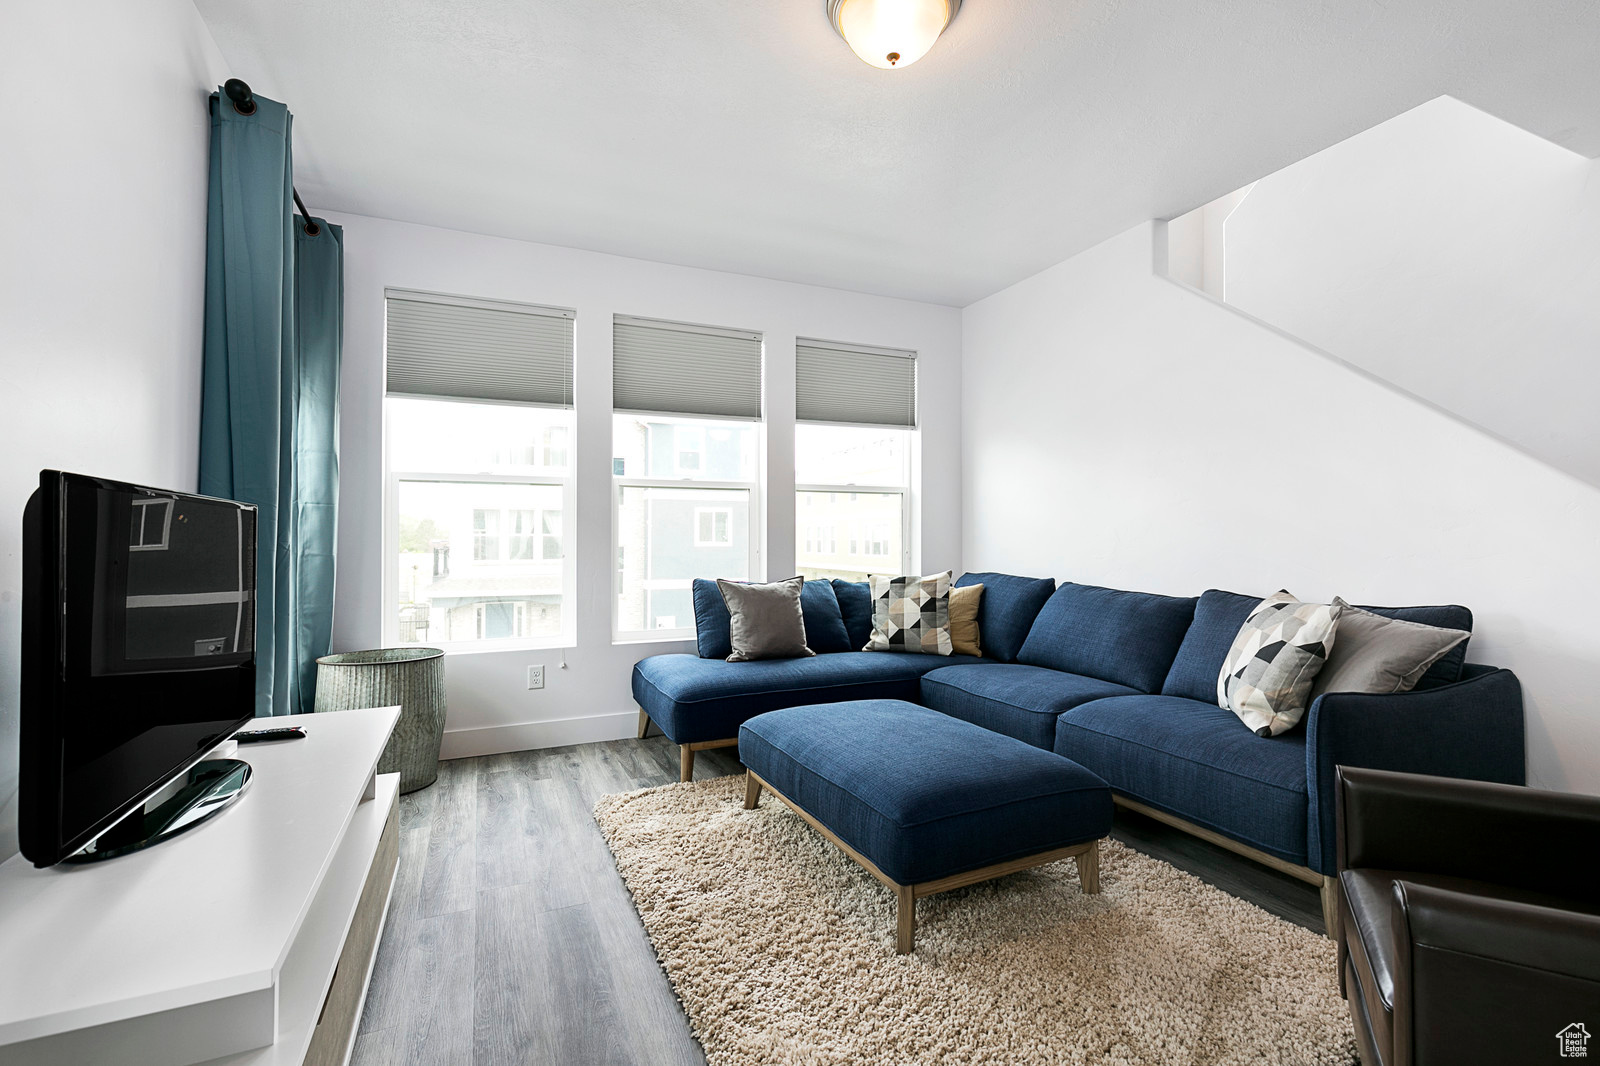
{"x":743,"y":135}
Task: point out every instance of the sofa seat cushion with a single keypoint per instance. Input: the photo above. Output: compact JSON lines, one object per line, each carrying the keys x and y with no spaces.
{"x":1007,"y":610}
{"x":1130,"y":638}
{"x":920,"y":794}
{"x":694,"y":699}
{"x":1019,"y":701}
{"x":1196,"y":761}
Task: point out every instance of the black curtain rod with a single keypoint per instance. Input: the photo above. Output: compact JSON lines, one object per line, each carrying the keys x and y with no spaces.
{"x":244,"y":102}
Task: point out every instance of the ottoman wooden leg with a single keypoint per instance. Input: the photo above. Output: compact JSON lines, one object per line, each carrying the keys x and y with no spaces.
{"x":1089,"y":868}
{"x":905,"y":919}
{"x":685,"y":763}
{"x":644,"y":723}
{"x":752,"y":791}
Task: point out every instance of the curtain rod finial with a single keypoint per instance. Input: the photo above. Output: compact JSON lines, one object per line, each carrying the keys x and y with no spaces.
{"x":244,"y":100}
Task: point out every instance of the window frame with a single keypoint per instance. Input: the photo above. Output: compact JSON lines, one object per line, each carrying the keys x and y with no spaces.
{"x":629,"y":481}
{"x":567,"y":637}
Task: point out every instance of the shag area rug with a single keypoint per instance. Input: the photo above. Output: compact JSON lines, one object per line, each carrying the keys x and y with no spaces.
{"x":782,"y":952}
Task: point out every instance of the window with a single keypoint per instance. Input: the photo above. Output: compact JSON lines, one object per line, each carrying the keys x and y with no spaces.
{"x":520,"y":542}
{"x":485,"y":535}
{"x":856,"y":412}
{"x":713,"y":527}
{"x":550,"y":535}
{"x":672,"y":527}
{"x":478,"y":425}
{"x":686,"y":461}
{"x":852,"y":486}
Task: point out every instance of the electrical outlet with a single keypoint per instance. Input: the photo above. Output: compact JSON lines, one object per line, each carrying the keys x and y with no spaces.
{"x":536,"y":677}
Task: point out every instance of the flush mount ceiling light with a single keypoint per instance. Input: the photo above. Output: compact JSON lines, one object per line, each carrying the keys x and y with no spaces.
{"x":891,"y":33}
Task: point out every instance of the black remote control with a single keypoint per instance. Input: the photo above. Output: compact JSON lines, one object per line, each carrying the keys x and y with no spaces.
{"x":257,"y":736}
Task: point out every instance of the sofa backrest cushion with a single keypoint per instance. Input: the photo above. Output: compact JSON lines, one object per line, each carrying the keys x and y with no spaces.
{"x":1447,"y":671}
{"x":713,"y":626}
{"x":825,"y":629}
{"x":1007,"y":611}
{"x":855,"y":607}
{"x":1130,"y":638}
{"x":1218,"y":617}
{"x":825,"y":626}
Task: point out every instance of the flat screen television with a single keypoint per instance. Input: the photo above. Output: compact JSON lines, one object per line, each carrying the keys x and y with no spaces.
{"x":138,"y":649}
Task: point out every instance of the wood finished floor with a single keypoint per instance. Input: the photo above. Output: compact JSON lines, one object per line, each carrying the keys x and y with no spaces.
{"x":512,"y":940}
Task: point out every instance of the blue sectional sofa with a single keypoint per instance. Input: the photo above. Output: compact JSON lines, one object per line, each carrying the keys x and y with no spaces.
{"x":1125,"y":684}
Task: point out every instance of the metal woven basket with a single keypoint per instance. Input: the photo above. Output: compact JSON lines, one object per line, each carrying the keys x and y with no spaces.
{"x":413,"y":678}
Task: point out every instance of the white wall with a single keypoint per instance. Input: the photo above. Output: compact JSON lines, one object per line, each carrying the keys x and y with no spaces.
{"x":490,"y":708}
{"x":104,"y":122}
{"x":1122,"y":429}
{"x":1451,"y":253}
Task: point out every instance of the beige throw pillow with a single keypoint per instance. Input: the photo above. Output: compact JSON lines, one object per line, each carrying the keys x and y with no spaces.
{"x":964,"y":620}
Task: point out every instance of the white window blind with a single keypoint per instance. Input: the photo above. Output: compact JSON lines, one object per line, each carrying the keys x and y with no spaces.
{"x":668,"y":367}
{"x":855,"y":383}
{"x":461,"y":348}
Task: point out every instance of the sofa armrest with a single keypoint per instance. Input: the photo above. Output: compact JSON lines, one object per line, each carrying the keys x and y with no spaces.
{"x":1478,"y":979}
{"x":1471,"y":729}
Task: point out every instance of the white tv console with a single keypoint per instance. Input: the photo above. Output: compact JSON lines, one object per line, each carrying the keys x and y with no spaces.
{"x":246,"y":941}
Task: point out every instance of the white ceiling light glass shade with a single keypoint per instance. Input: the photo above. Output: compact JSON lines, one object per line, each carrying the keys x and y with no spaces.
{"x":891,"y":33}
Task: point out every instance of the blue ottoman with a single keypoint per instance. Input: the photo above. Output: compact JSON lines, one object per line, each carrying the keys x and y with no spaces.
{"x":926,"y":802}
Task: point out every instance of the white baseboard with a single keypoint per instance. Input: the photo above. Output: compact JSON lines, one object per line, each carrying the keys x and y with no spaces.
{"x":524,"y":736}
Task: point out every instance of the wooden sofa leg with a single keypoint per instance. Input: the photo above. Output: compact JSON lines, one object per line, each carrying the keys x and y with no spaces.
{"x":644,"y":723}
{"x":905,"y":919}
{"x":1089,"y":869}
{"x":1330,"y":906}
{"x":752,"y":791}
{"x":685,"y":763}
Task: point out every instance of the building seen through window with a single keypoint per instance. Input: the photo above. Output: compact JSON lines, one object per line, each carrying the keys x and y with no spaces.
{"x":480,"y":494}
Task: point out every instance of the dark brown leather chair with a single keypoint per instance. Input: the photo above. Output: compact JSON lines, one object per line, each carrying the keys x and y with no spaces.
{"x":1469,"y":919}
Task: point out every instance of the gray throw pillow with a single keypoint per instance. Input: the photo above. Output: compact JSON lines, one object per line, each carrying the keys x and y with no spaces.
{"x":765,"y":619}
{"x":1382,"y":655}
{"x":1266,"y":678}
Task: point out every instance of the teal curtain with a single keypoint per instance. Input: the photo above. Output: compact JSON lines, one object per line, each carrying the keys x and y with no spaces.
{"x":269,"y":418}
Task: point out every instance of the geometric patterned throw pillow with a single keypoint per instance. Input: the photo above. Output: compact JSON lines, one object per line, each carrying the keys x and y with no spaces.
{"x":911,"y":614}
{"x":1266,"y":678}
